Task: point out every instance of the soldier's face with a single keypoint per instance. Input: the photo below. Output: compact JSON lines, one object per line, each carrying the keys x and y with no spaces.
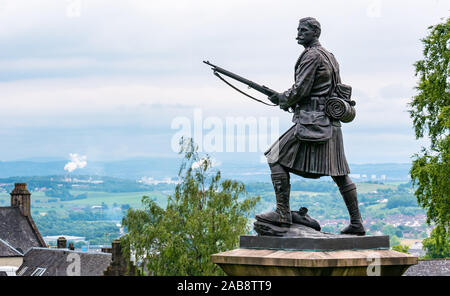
{"x":305,"y":34}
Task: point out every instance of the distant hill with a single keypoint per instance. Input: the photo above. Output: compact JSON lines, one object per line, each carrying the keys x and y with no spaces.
{"x":160,"y":168}
{"x":62,"y":183}
{"x":129,"y":169}
{"x":392,"y":171}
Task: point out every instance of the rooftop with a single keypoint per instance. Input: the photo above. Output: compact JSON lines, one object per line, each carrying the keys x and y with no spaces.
{"x":63,"y":262}
{"x":434,"y":267}
{"x":17,"y":230}
{"x":6,"y":250}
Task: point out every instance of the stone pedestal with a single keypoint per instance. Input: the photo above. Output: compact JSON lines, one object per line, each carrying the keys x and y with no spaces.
{"x":251,"y":262}
{"x":306,"y":252}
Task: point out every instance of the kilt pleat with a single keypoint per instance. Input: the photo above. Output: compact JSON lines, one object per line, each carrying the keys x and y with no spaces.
{"x":308,"y":159}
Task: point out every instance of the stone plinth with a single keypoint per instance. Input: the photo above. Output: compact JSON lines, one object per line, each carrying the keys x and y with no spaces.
{"x":253,"y":262}
{"x":316,"y":243}
{"x":301,"y":250}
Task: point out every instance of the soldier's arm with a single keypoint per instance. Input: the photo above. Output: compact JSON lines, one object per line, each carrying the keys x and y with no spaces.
{"x":304,"y":80}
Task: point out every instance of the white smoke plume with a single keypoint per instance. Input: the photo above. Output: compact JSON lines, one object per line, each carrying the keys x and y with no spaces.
{"x":76,"y":162}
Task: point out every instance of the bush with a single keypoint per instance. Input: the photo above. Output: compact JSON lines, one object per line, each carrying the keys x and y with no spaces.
{"x":438,"y":244}
{"x":401,"y":248}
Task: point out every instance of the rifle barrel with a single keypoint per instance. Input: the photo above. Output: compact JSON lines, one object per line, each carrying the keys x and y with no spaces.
{"x":261,"y":88}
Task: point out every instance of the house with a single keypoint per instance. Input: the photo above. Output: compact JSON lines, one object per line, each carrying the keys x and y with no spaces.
{"x":62,"y":261}
{"x":9,"y":256}
{"x":18,"y":232}
{"x":24,"y":252}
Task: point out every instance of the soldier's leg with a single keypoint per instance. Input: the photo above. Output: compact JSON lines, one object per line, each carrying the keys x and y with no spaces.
{"x":282,"y":187}
{"x":348,"y":192}
{"x":281,"y":184}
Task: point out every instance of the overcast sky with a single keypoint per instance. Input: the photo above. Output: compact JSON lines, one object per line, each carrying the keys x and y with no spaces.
{"x":106,"y":79}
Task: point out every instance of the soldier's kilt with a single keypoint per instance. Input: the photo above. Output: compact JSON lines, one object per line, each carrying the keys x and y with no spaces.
{"x":308,"y":159}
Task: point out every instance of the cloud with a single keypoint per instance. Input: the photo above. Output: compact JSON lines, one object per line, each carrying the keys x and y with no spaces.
{"x":168,"y":36}
{"x":110,"y":81}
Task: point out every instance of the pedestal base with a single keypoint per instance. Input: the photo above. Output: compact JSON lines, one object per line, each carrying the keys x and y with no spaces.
{"x":252,"y":262}
{"x":326,"y":242}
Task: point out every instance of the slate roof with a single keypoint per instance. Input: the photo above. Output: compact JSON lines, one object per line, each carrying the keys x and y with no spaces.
{"x":17,"y":230}
{"x":435,"y":267}
{"x":6,"y":250}
{"x":56,"y":262}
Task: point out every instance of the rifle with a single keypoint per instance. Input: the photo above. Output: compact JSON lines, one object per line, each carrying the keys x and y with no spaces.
{"x":261,"y":88}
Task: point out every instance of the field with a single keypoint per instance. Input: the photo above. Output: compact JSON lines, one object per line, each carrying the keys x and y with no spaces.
{"x":370,"y":187}
{"x":131,"y":198}
{"x":40,"y":203}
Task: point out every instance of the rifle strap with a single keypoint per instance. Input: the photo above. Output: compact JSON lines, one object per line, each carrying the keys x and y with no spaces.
{"x":237,"y":89}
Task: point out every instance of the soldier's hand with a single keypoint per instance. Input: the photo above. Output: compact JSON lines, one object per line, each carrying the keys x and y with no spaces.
{"x":284,"y":104}
{"x":284,"y":107}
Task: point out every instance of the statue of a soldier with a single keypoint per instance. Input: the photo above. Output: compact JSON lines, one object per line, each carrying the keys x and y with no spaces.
{"x":313,"y":147}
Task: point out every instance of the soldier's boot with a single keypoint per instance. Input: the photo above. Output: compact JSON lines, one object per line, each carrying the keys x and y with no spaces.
{"x":356,"y":227}
{"x":282,"y":215}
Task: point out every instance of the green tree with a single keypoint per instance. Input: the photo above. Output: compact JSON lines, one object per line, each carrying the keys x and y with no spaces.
{"x":438,"y":244}
{"x":401,"y":248}
{"x":391,"y":230}
{"x":430,"y":111}
{"x":204,"y":216}
{"x":397,"y":200}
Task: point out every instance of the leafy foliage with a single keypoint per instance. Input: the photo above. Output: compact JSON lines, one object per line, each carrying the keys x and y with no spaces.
{"x":438,"y":244}
{"x":95,"y":231}
{"x":430,"y":108}
{"x":430,"y":111}
{"x":204,"y":216}
{"x":404,"y":200}
{"x":401,"y":248}
{"x":392,"y":231}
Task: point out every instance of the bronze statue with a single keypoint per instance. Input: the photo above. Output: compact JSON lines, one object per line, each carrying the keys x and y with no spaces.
{"x":313,"y":147}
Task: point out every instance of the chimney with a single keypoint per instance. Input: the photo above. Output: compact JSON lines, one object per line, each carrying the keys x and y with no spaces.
{"x":119,"y":265}
{"x":116,"y":251}
{"x":61,"y":242}
{"x":71,"y":246}
{"x":20,"y":197}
